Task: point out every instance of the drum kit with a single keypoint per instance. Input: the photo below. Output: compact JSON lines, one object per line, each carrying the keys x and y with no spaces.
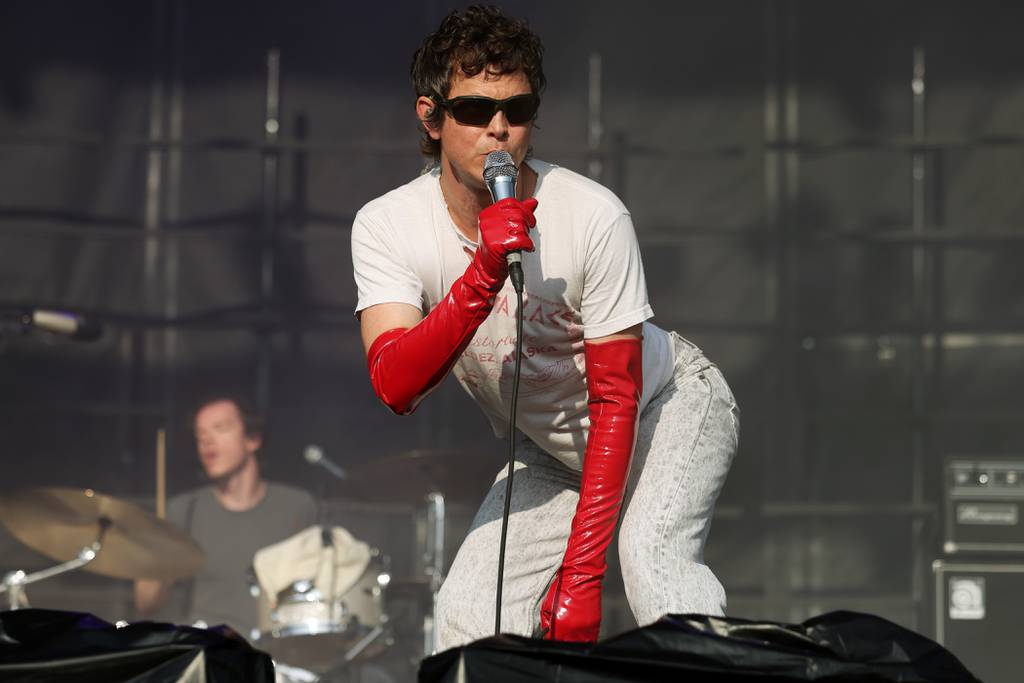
{"x":322,"y":593}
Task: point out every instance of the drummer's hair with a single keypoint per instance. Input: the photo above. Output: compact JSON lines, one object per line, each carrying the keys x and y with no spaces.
{"x":252,"y":421}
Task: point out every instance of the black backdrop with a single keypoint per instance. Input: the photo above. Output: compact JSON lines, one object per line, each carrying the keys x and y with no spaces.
{"x":766,"y":150}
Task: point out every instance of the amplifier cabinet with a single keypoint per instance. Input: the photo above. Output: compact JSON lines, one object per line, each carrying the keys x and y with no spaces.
{"x":978,"y":616}
{"x":983,"y":501}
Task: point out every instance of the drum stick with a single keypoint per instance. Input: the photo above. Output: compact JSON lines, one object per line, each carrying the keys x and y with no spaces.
{"x":161,"y":473}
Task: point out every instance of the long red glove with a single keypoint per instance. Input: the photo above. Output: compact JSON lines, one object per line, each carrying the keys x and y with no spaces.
{"x":571,"y":610}
{"x":406,"y":363}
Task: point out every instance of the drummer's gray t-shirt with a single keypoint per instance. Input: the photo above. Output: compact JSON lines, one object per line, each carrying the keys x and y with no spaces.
{"x":219,"y":593}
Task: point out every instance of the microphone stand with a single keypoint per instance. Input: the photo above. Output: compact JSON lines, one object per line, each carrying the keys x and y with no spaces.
{"x":327,"y":540}
{"x":433,"y":557}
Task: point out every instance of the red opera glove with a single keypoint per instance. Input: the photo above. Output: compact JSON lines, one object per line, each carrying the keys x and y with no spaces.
{"x":571,"y":610}
{"x":406,"y":363}
{"x":504,"y":228}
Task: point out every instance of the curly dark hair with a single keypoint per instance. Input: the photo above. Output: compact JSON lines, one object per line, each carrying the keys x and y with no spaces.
{"x":477,"y":39}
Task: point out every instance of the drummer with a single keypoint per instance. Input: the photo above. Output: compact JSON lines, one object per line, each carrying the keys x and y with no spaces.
{"x":235,"y":514}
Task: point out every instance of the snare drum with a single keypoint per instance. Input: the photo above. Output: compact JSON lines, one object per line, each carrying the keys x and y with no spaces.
{"x":308,"y":629}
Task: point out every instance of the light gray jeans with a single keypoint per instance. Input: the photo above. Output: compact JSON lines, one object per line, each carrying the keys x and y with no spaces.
{"x":686,"y":441}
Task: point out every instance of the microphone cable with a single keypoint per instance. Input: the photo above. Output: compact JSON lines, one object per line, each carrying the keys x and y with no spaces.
{"x":516,"y":275}
{"x":500,"y":173}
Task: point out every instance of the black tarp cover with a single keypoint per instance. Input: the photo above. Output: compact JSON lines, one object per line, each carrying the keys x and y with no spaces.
{"x":838,"y":646}
{"x":51,"y":645}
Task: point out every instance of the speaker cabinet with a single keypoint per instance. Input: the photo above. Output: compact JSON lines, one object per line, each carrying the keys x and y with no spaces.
{"x":983,"y":500}
{"x":978,"y":616}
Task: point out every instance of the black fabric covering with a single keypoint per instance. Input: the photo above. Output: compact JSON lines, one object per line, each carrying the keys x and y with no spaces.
{"x":838,"y":646}
{"x":50,"y":645}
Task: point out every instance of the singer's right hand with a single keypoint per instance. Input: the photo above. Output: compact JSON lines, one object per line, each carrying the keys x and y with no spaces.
{"x":504,"y":228}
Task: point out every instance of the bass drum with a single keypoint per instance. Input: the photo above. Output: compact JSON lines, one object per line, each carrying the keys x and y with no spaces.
{"x":306,"y":629}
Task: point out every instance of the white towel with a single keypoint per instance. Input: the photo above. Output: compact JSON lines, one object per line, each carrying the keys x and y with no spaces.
{"x":304,"y":557}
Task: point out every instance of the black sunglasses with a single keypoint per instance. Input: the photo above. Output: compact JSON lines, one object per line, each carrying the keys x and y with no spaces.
{"x":473,"y":110}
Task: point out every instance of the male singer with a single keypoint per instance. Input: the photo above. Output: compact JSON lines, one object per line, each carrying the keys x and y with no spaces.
{"x":430,"y":266}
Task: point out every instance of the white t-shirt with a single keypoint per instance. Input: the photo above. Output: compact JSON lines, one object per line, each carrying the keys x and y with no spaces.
{"x":584,"y":280}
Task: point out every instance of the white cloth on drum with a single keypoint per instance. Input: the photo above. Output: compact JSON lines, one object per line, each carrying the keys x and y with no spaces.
{"x":305,"y":557}
{"x":284,"y":673}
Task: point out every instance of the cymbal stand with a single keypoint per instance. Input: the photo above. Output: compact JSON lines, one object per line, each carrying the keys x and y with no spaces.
{"x":14,"y":582}
{"x":433,"y":557}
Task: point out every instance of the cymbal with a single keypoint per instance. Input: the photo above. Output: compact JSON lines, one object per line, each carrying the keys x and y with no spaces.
{"x":461,"y":475}
{"x":59,"y":522}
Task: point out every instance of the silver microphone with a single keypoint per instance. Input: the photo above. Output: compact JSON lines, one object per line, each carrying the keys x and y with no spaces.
{"x":500,"y":174}
{"x":314,"y":455}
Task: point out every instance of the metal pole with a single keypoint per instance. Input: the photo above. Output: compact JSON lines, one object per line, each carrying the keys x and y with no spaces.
{"x":919,"y":270}
{"x":271,"y":173}
{"x":919,"y":267}
{"x":172,"y":213}
{"x":773,"y":587}
{"x":145,"y":347}
{"x":595,"y":128}
{"x":802,"y":563}
{"x":154,"y":161}
{"x":271,"y":161}
{"x":789,"y":232}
